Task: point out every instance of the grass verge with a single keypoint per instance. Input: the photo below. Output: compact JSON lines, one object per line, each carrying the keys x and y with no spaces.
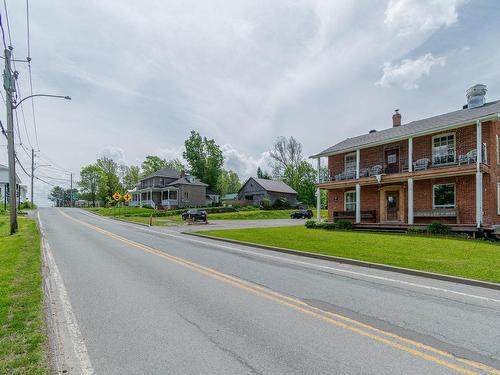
{"x":456,"y":257}
{"x":23,"y":343}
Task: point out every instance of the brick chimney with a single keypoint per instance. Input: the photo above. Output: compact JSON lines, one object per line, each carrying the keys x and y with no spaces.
{"x":396,"y":118}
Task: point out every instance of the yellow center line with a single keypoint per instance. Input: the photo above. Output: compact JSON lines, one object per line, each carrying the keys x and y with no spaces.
{"x":305,"y":308}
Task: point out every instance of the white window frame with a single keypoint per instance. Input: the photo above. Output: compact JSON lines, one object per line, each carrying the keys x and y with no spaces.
{"x":345,"y":161}
{"x":454,"y":147}
{"x":345,"y":200}
{"x":497,"y":149}
{"x":454,"y":196}
{"x":498,"y":198}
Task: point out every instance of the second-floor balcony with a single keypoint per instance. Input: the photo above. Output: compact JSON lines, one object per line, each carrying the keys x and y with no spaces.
{"x":382,"y":161}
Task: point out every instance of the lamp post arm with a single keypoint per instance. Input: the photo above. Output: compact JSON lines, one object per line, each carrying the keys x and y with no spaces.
{"x":46,"y":95}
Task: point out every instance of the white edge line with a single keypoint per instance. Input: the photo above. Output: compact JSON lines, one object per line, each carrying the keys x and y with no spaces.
{"x":312,"y":265}
{"x":79,"y":347}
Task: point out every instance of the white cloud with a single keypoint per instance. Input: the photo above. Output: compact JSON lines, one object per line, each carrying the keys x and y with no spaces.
{"x":409,"y":72}
{"x":410,"y":16}
{"x":115,"y":153}
{"x":242,"y":164}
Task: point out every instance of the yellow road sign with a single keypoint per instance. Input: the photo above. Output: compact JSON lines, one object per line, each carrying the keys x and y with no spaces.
{"x":117,"y":196}
{"x":127,"y":197}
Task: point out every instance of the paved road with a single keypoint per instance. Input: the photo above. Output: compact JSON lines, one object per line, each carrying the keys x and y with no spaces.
{"x":144,"y":302}
{"x":234,"y":224}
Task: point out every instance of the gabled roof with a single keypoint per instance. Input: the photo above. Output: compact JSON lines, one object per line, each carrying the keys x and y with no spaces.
{"x":165,"y":172}
{"x":185,"y":181}
{"x":6,"y":168}
{"x":436,"y":123}
{"x":271,"y":185}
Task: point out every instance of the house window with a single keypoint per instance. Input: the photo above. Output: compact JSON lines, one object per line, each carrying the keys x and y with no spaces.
{"x":350,"y":162}
{"x":173,"y":194}
{"x":350,"y":201}
{"x":443,"y":149}
{"x":185,"y":196}
{"x":443,"y":196}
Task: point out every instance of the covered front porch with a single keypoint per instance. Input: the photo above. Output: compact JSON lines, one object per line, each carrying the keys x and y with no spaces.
{"x":406,"y":203}
{"x":158,"y":198}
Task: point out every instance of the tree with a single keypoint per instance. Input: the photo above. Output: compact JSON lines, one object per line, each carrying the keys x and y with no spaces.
{"x":131,"y":177}
{"x":109,"y":183}
{"x":89,"y":181}
{"x":228,"y":182}
{"x":204,"y":157}
{"x":62,"y":197}
{"x":152,"y":164}
{"x":303,"y":180}
{"x":175,"y":164}
{"x":286,"y":153}
{"x":263,"y":174}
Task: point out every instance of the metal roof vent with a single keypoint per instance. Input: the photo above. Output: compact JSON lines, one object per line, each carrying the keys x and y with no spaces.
{"x":372,"y":131}
{"x":476,"y":96}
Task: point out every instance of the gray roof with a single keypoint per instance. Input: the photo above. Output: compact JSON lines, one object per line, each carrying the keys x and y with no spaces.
{"x":165,"y":172}
{"x":185,"y":181}
{"x":273,"y":186}
{"x":415,"y":127}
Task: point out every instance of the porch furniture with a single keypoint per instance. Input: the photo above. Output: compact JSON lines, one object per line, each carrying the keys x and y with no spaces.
{"x":468,"y":158}
{"x":350,"y":174}
{"x":375,"y":170}
{"x":351,"y":215}
{"x":437,"y":213}
{"x":364,"y":172}
{"x":421,"y":164}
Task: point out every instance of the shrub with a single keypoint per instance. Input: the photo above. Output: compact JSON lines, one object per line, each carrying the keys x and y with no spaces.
{"x":265,"y":204}
{"x":147,"y":206}
{"x":343,"y":224}
{"x":311,"y":224}
{"x":416,"y":230}
{"x":438,"y":228}
{"x":281,"y":204}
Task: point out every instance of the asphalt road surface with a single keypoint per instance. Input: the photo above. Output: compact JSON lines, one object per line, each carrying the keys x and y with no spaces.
{"x":138,"y":301}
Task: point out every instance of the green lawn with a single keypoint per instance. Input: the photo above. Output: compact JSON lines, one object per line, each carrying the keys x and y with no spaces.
{"x":458,"y":257}
{"x":258,"y":215}
{"x":23,"y":344}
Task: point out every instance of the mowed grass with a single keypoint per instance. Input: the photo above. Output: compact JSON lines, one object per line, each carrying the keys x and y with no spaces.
{"x":23,"y":345}
{"x":258,"y":215}
{"x":457,"y":257}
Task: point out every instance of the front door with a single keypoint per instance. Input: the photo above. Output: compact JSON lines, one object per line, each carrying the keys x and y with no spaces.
{"x":392,"y":161}
{"x":392,"y":205}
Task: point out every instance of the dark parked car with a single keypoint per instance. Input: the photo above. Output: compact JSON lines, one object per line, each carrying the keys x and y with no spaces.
{"x":195,"y":215}
{"x":302,"y":214}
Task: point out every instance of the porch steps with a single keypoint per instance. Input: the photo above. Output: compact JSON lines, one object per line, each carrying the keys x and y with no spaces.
{"x":390,"y":228}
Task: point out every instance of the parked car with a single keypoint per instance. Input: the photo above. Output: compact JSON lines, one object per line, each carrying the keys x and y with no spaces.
{"x":195,"y":215}
{"x":301,"y":214}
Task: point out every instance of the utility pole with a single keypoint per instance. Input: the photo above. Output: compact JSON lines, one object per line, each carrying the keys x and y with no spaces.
{"x":32,"y":173}
{"x":71,"y":190}
{"x":8,"y":84}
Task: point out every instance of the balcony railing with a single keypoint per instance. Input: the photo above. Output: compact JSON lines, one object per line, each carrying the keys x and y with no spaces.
{"x":436,"y":159}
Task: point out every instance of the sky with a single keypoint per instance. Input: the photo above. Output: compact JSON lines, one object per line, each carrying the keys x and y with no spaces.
{"x":143,"y":74}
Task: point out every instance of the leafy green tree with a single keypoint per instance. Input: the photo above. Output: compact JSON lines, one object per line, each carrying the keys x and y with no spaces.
{"x":175,"y":164}
{"x":204,"y":157}
{"x":302,"y":179}
{"x":152,"y":164}
{"x":109,"y":183}
{"x":263,"y":174}
{"x":227,"y":183}
{"x":89,"y":181}
{"x":131,"y":177}
{"x":62,"y":197}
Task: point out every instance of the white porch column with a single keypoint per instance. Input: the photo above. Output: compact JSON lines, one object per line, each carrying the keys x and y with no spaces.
{"x":357,"y":163}
{"x":410,"y":154}
{"x":318,"y":192}
{"x":410,"y":201}
{"x":140,"y":198}
{"x":358,"y":204}
{"x":168,"y":198}
{"x":479,"y":175}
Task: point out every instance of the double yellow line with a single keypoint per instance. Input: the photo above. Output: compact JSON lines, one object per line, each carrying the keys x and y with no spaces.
{"x":415,"y":348}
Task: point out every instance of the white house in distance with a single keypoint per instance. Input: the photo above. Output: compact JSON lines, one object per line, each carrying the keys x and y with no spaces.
{"x":21,"y":190}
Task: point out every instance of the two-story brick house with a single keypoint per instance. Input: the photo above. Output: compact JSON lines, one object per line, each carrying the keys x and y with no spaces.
{"x":168,"y":189}
{"x":424,"y":171}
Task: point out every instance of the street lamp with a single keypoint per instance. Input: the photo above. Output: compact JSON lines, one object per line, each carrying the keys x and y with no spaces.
{"x":14,"y":106}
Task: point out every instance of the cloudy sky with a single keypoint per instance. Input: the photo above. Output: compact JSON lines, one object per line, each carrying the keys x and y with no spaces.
{"x":142,"y":74}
